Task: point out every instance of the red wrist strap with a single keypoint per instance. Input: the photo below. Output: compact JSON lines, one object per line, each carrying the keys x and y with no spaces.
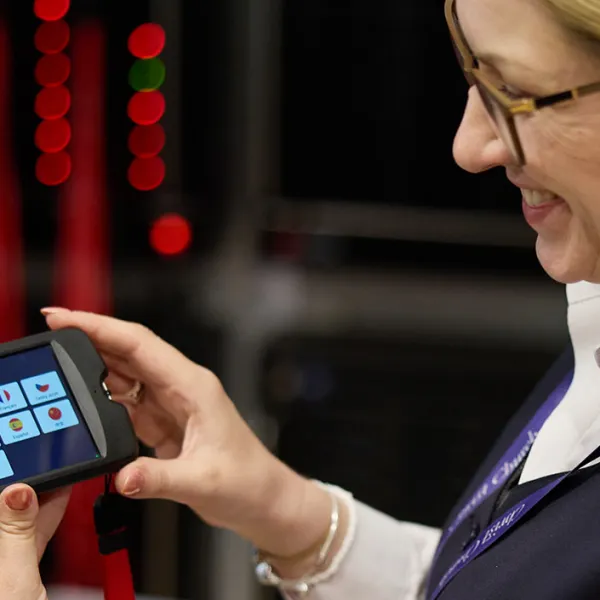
{"x":118,"y":581}
{"x":111,"y":520}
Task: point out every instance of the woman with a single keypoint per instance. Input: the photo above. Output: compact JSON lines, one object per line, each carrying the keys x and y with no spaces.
{"x":522,"y":529}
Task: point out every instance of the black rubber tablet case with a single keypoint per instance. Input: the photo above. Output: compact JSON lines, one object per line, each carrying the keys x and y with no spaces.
{"x":108,"y":422}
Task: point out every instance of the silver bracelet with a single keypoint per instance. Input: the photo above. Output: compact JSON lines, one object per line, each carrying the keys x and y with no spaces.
{"x":266,"y":575}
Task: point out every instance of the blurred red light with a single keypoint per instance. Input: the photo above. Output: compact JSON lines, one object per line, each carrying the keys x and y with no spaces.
{"x":52,"y":37}
{"x":171,"y":234}
{"x":146,"y":108}
{"x":52,"y":103}
{"x":53,"y":169}
{"x":146,"y":141}
{"x":53,"y":136}
{"x":146,"y":174}
{"x":52,"y":70}
{"x":147,"y":41}
{"x":51,"y":10}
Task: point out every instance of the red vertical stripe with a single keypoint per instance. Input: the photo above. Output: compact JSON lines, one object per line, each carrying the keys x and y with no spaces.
{"x":12,"y":301}
{"x":83,"y":279}
{"x":118,"y":581}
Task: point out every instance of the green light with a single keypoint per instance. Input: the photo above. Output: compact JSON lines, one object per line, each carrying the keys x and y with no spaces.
{"x":147,"y":75}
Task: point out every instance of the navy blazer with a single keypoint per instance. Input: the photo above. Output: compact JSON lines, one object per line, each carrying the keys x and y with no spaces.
{"x":553,"y":553}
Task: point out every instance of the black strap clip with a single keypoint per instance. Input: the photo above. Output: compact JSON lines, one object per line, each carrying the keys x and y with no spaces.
{"x":112,"y":516}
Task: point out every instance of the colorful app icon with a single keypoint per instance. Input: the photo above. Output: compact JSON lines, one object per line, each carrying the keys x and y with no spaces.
{"x":5,"y":468}
{"x":56,"y":415}
{"x":43,"y":388}
{"x":18,"y":427}
{"x":11,"y":398}
{"x":15,"y":424}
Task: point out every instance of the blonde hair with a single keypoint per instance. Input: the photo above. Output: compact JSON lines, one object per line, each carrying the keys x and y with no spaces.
{"x":583,"y":16}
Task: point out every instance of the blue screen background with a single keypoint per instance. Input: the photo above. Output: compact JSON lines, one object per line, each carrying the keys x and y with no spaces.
{"x":47,"y":451}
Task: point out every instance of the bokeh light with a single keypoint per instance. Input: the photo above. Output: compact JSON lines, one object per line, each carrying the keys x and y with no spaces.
{"x":146,"y":141}
{"x":51,"y":10}
{"x":147,"y":75}
{"x":171,"y":234}
{"x":53,"y":169}
{"x":146,"y":108}
{"x":147,"y":41}
{"x":146,"y":174}
{"x":52,"y":103}
{"x":52,"y":37}
{"x":53,"y":136}
{"x":52,"y":70}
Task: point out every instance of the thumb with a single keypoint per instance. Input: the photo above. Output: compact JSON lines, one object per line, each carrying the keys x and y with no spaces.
{"x":148,"y":478}
{"x":18,"y":550}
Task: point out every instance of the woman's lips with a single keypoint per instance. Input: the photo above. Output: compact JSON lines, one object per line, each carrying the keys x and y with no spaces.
{"x":536,"y":210}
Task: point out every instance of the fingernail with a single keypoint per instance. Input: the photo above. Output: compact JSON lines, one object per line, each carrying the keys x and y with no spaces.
{"x":19,"y":499}
{"x":52,"y":310}
{"x":133,"y":484}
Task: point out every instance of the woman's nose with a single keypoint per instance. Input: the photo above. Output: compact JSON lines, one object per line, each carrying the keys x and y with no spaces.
{"x":477,"y":146}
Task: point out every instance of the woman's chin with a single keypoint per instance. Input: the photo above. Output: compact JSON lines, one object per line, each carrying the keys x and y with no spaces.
{"x":561,"y":263}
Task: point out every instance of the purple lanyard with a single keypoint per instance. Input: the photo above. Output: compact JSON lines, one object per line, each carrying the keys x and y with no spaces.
{"x":507,"y":465}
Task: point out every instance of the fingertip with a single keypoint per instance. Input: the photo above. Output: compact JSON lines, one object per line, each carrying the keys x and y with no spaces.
{"x":18,"y":497}
{"x":53,"y":310}
{"x":130,"y":481}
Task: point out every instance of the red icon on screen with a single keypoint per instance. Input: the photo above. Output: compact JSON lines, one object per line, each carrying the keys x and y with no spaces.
{"x":15,"y":424}
{"x":6,"y":395}
{"x":54,"y":413}
{"x":42,"y":388}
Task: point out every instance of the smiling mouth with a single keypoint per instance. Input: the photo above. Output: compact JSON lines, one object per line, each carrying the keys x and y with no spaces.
{"x":536,"y":199}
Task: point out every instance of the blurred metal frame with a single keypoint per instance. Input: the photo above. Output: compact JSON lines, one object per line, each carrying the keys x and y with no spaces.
{"x":253,"y":169}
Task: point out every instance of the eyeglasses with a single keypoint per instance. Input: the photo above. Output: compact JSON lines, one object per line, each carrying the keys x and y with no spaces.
{"x":500,"y":105}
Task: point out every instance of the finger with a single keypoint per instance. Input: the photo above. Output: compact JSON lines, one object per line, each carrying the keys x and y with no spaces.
{"x":153,"y":359}
{"x":117,"y":384}
{"x":52,"y":509}
{"x":120,"y":338}
{"x":159,"y":479}
{"x":119,"y":366}
{"x":18,"y":512}
{"x":155,"y":430}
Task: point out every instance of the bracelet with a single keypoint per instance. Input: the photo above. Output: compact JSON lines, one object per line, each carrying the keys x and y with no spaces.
{"x":302,"y":586}
{"x":267,"y":576}
{"x":317,"y":547}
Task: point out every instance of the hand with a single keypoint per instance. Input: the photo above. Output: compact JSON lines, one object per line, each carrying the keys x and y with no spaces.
{"x":211,"y":460}
{"x":26,"y":527}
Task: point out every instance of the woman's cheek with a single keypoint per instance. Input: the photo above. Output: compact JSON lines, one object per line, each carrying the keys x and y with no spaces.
{"x":572,"y":134}
{"x":561,"y":149}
